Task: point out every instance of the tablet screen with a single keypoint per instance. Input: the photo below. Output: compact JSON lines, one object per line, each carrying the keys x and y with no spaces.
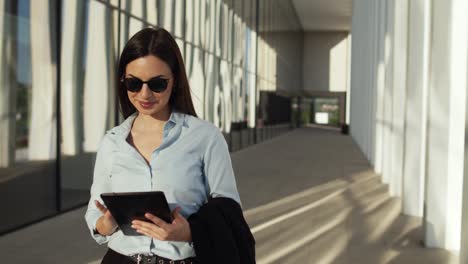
{"x":128,"y":206}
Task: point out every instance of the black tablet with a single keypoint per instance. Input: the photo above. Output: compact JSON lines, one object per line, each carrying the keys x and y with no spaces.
{"x":128,"y":206}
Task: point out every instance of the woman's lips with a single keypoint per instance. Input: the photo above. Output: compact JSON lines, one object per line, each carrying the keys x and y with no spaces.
{"x":147,"y":105}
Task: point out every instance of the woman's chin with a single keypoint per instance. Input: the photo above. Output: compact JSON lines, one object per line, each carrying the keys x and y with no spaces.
{"x":148,"y":111}
{"x":154,"y":111}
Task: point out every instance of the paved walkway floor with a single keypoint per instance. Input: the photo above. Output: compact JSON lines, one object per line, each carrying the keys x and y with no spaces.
{"x":309,"y":196}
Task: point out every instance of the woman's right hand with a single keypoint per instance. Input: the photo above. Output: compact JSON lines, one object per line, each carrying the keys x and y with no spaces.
{"x":106,"y":224}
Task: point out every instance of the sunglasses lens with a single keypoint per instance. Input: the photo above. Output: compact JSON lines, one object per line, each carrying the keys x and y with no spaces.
{"x":133,"y":84}
{"x":158,"y":84}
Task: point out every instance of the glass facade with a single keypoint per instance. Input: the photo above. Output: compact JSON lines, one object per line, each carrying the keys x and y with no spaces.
{"x":57,"y":82}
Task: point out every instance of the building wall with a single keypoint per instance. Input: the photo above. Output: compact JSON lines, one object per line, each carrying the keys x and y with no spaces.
{"x":326,"y":61}
{"x":408,"y":96}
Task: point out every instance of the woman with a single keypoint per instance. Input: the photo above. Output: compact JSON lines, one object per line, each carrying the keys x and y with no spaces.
{"x":161,"y":146}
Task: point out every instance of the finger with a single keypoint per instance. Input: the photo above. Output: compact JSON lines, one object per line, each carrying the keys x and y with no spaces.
{"x":149,"y":230}
{"x":156,"y":220}
{"x":149,"y":234}
{"x":144,"y":224}
{"x":176,"y":213}
{"x":101,"y":207}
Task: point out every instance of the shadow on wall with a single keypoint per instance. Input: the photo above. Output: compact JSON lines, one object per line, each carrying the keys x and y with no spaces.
{"x":281,"y":55}
{"x":326,"y":61}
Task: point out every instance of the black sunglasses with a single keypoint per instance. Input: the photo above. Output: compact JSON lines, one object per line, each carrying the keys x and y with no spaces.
{"x":156,"y":84}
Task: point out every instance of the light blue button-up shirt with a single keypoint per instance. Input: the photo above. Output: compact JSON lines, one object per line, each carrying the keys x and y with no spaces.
{"x":191,"y":164}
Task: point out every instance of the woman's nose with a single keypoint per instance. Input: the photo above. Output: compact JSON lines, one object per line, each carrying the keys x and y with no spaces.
{"x":145,"y":91}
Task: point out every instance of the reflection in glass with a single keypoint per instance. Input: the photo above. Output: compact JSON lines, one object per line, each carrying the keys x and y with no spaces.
{"x":194,"y":67}
{"x":42,"y":143}
{"x":87,"y":89}
{"x":27,"y":107}
{"x":9,"y":86}
{"x":151,"y":11}
{"x":218,"y":41}
{"x":225,"y":95}
{"x":99,"y":75}
{"x":238,"y":95}
{"x":179,"y":19}
{"x":166,"y":10}
{"x":140,"y":12}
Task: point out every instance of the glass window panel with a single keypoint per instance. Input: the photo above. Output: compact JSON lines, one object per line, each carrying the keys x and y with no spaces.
{"x":181,"y":44}
{"x":223,"y":96}
{"x":28,"y":98}
{"x":239,"y":39}
{"x":151,"y":12}
{"x":220,"y":29}
{"x":238,"y":91}
{"x":195,"y":72}
{"x":210,"y":73}
{"x":99,"y":72}
{"x":137,"y":10}
{"x":251,"y":48}
{"x":114,"y":3}
{"x":196,"y":26}
{"x":133,"y":7}
{"x":166,"y":14}
{"x":179,"y":18}
{"x":226,"y":32}
{"x":189,"y":21}
{"x":251,"y":100}
{"x":89,"y":53}
{"x":211,"y":33}
{"x":203,"y":26}
{"x":135,"y":26}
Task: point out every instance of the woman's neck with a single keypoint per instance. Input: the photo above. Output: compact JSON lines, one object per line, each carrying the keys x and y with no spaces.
{"x":153,"y":122}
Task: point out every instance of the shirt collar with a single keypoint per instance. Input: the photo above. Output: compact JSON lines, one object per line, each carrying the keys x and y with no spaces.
{"x":174,"y":119}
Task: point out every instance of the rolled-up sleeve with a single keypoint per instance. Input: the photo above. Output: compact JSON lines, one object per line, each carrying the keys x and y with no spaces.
{"x":218,"y":170}
{"x":100,"y":185}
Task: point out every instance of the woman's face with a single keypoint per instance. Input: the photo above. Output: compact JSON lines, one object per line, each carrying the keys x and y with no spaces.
{"x":145,"y":100}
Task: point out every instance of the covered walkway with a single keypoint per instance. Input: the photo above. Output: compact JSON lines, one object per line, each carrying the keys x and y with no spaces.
{"x":309,"y":196}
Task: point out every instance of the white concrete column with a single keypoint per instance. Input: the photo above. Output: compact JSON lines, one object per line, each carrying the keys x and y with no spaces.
{"x":359,"y":73}
{"x":370,"y":83}
{"x":445,"y":144}
{"x":464,"y":227}
{"x":380,"y":124}
{"x":416,"y":107}
{"x":72,"y":40}
{"x":400,"y":49}
{"x":387,"y":144}
{"x":43,"y":125}
{"x":100,"y":76}
{"x":348,"y":78}
{"x":7,"y":86}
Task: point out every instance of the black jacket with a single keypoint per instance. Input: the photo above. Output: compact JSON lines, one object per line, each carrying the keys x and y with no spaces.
{"x":220,"y":233}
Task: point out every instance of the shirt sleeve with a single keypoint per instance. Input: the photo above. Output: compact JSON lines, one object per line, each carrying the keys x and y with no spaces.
{"x":218,"y":170}
{"x":100,"y":185}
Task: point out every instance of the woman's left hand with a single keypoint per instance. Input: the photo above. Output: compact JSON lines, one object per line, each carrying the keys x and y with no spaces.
{"x":178,"y":230}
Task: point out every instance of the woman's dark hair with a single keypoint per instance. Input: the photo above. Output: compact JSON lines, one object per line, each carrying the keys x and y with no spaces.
{"x":157,"y":42}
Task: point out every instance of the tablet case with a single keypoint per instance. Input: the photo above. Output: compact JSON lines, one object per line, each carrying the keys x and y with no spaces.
{"x":128,"y":206}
